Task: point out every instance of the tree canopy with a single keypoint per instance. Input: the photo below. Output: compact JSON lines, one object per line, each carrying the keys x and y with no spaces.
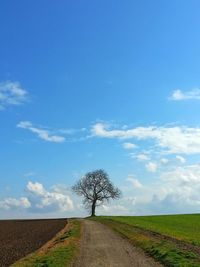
{"x":95,"y":187}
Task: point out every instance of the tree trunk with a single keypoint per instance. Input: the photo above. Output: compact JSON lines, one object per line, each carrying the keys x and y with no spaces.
{"x":93,"y":208}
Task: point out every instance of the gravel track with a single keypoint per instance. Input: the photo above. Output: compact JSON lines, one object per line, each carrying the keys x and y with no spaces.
{"x":101,"y":247}
{"x":21,"y":237}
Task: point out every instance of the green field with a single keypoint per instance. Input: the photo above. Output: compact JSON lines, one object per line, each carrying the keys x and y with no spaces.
{"x":181,"y":227}
{"x":173,"y":240}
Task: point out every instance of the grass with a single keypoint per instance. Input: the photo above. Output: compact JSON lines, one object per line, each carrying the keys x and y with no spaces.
{"x":59,"y":253}
{"x":182,"y":227}
{"x":170,"y":253}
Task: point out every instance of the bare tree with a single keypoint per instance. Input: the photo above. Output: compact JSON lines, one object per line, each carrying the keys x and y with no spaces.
{"x":96,"y":188}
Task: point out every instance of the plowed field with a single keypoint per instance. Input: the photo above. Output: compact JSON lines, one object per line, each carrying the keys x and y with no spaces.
{"x":21,"y":237}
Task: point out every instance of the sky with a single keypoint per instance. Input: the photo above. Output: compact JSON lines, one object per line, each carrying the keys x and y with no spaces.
{"x":88,"y":85}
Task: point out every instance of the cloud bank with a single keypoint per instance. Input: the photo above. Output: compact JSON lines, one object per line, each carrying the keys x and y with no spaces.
{"x":40,"y":200}
{"x":171,"y":140}
{"x":13,"y":203}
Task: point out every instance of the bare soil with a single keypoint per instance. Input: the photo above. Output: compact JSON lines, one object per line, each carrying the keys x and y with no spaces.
{"x":102,"y":247}
{"x":21,"y":237}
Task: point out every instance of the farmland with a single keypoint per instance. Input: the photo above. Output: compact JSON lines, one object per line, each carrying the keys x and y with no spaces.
{"x":181,"y":227}
{"x":21,"y":237}
{"x":168,"y":240}
{"x":173,"y":240}
{"x":57,"y":252}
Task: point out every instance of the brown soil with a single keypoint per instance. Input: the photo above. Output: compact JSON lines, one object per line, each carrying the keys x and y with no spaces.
{"x":21,"y":237}
{"x":52,"y":243}
{"x":102,"y":247}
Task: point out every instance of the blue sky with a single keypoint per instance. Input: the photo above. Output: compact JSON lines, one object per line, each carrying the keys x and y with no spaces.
{"x":99,"y":84}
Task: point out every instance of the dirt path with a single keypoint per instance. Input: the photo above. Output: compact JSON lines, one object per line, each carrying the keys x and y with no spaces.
{"x":101,"y":247}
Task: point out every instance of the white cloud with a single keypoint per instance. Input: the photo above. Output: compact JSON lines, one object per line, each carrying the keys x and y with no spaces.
{"x":175,"y":140}
{"x":35,"y":188}
{"x":134,"y":182}
{"x":185,"y":174}
{"x":175,"y":190}
{"x":39,"y":200}
{"x":164,"y":161}
{"x":113,"y":209}
{"x":179,"y":95}
{"x":53,"y":199}
{"x":141,"y":157}
{"x":49,"y":200}
{"x":128,"y":145}
{"x":41,"y":133}
{"x":12,"y":93}
{"x":13,"y":203}
{"x":151,"y":167}
{"x":181,"y":159}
